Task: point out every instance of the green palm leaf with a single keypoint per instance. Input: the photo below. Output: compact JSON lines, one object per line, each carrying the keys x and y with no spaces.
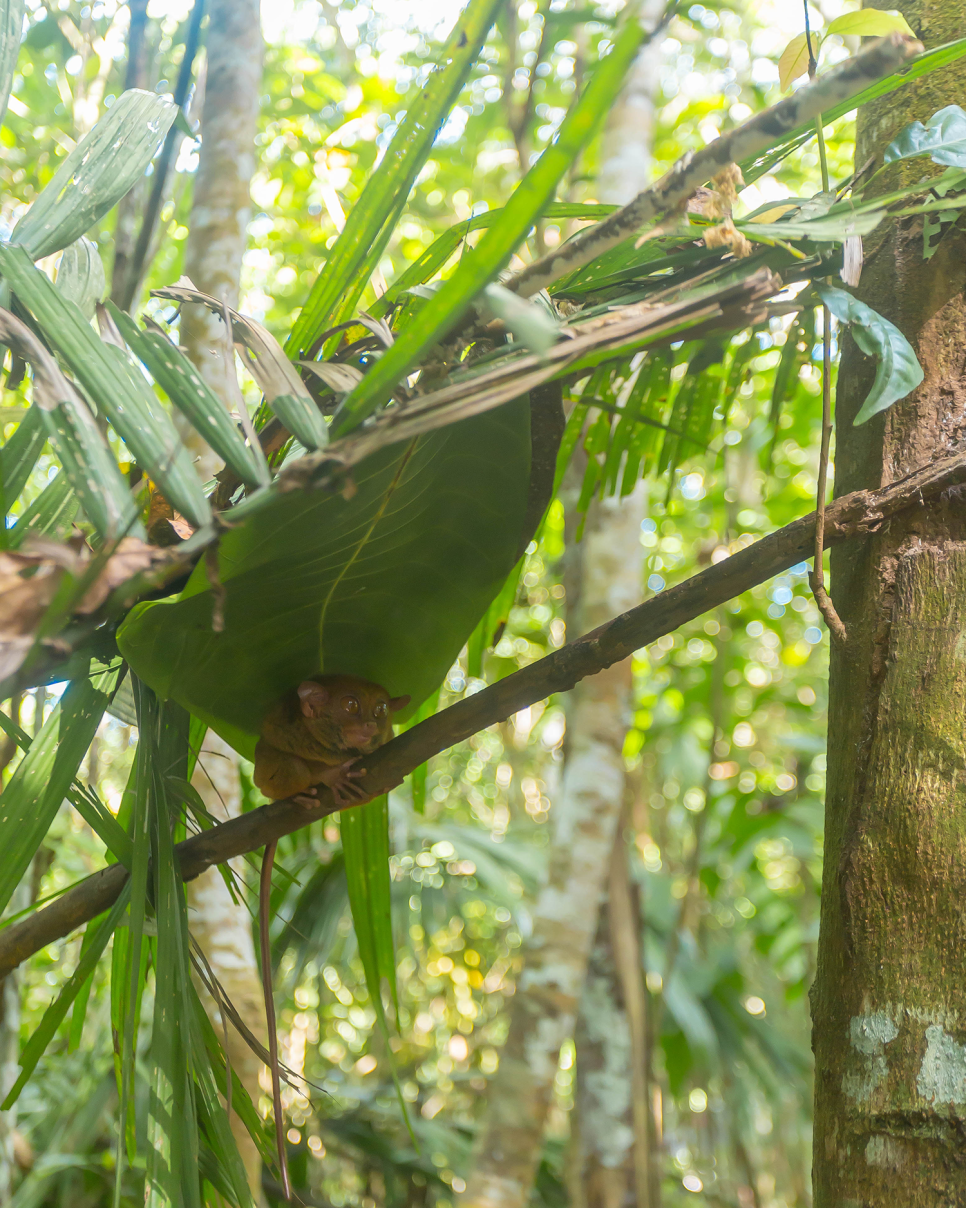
{"x":374,"y":215}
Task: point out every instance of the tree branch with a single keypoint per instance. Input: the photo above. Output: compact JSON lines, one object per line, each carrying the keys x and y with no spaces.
{"x":854,"y":515}
{"x":760,"y":132}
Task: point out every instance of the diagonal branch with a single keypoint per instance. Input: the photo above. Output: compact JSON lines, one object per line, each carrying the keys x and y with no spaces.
{"x":853,"y":515}
{"x":759,"y":133}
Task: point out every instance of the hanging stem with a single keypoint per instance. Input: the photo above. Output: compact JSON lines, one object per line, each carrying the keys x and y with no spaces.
{"x":817,"y":577}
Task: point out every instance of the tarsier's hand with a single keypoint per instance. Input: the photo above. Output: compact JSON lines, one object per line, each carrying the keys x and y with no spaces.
{"x":341,"y":781}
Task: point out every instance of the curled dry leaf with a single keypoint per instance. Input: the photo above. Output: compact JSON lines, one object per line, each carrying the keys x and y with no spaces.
{"x":339,"y":378}
{"x":31,"y":576}
{"x":270,"y":367}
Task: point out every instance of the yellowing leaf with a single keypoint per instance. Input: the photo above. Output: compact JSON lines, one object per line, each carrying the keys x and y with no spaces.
{"x":775,"y":213}
{"x":871,"y":23}
{"x":794,"y":60}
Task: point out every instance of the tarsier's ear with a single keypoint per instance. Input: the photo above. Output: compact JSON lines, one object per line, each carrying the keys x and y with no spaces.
{"x":313,"y":698}
{"x":398,"y":702}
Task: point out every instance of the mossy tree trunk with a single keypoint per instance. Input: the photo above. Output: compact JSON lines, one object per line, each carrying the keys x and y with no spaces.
{"x":889,"y":1001}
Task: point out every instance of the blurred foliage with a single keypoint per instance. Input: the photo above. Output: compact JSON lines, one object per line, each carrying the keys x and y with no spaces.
{"x":727,"y":744}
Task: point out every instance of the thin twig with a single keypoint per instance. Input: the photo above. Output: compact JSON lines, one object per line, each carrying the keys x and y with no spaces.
{"x":139,"y":263}
{"x":817,"y":578}
{"x":849,"y":517}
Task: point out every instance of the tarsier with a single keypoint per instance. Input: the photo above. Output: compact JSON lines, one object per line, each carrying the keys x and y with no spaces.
{"x":314,"y":735}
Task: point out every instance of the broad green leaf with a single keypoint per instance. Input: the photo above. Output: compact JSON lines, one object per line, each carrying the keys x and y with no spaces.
{"x":387,"y":584}
{"x":91,"y":470}
{"x":241,"y":1103}
{"x":36,"y":790}
{"x":193,"y":397}
{"x":104,"y":165}
{"x":495,"y":248}
{"x":79,"y":1013}
{"x":898,"y":372}
{"x":870,"y":23}
{"x":80,"y":276}
{"x":943,"y":139}
{"x":532,"y":323}
{"x":220,"y":1158}
{"x":80,"y":445}
{"x":832,"y":229}
{"x":11,"y":28}
{"x":794,"y":59}
{"x":116,"y":385}
{"x":129,"y":956}
{"x":19,"y":456}
{"x":692,"y":416}
{"x":365,"y":847}
{"x":386,"y":192}
{"x":172,"y":1165}
{"x":57,"y":1011}
{"x":51,"y":514}
{"x":84,"y":800}
{"x":932,"y":60}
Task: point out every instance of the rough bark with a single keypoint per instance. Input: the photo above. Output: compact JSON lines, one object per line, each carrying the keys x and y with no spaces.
{"x":614,"y":1133}
{"x":889,"y":1001}
{"x":583,"y":821}
{"x":221,"y":204}
{"x":611,"y":1137}
{"x":223,"y":929}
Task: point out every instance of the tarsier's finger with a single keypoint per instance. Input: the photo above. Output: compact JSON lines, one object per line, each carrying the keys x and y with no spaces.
{"x":309,"y":799}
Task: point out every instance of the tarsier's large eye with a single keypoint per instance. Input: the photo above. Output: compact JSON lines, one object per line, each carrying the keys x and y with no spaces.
{"x":350,"y":704}
{"x":381,"y":709}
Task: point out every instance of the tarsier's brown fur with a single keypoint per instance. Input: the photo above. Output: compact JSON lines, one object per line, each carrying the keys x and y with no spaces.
{"x":318,"y":731}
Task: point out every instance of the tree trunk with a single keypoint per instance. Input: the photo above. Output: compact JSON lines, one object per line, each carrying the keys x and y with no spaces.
{"x":213,"y":258}
{"x":613,"y":1133}
{"x":223,"y":929}
{"x":221,"y":204}
{"x":613,"y":1157}
{"x":889,"y":1001}
{"x":584,"y":821}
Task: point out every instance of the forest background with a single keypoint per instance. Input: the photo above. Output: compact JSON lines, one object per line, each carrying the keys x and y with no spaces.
{"x":723,"y":737}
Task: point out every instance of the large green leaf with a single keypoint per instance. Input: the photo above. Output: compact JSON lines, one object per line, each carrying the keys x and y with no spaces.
{"x":193,"y":397}
{"x":37,"y":788}
{"x":386,"y":584}
{"x":365,"y":846}
{"x":116,"y":383}
{"x":57,"y":1011}
{"x":19,"y":456}
{"x":104,"y":165}
{"x":898,"y":372}
{"x":349,"y":264}
{"x":11,"y":27}
{"x":943,"y":139}
{"x":51,"y":513}
{"x":172,"y":1163}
